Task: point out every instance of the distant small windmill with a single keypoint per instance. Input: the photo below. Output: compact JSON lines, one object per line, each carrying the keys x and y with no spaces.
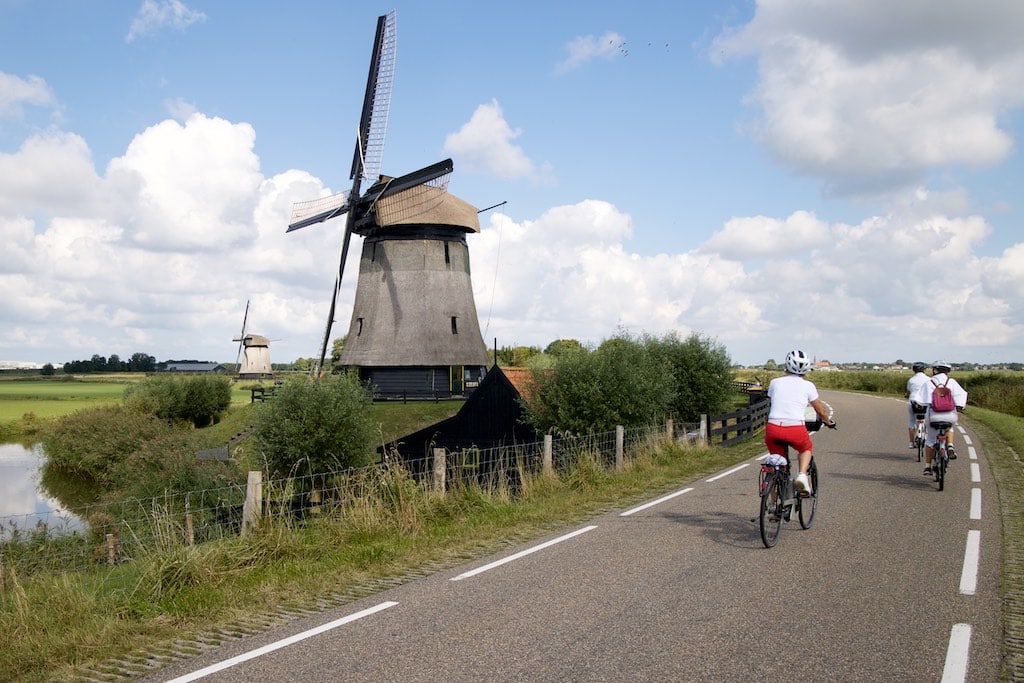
{"x":414,"y":327}
{"x":253,"y":359}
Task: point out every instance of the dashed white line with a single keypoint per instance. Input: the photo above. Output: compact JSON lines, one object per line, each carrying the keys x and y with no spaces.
{"x":975,"y":472}
{"x":524,"y":553}
{"x":972,"y":553}
{"x":955,"y":670}
{"x":967,"y":437}
{"x":975,"y":503}
{"x":670,"y":496}
{"x":291,"y":640}
{"x":728,"y":472}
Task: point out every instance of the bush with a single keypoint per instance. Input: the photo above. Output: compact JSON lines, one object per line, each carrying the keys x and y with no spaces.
{"x":313,"y":427}
{"x":199,"y":399}
{"x":96,"y":441}
{"x":702,"y":371}
{"x":621,"y":383}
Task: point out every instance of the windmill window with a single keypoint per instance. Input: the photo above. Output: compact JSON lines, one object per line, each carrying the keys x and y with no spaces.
{"x":455,"y":326}
{"x":359,"y":326}
{"x":447,"y":256}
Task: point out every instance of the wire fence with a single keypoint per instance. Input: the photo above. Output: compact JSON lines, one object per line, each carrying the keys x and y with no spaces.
{"x":110,"y":534}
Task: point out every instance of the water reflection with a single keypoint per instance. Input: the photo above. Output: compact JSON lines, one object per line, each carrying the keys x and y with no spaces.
{"x":25,"y":503}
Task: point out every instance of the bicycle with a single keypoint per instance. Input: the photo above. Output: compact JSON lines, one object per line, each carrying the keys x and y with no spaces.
{"x":940,"y":457}
{"x":779,"y":500}
{"x":919,"y":437}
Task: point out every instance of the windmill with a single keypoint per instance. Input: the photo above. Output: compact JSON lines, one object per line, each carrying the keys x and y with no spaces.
{"x":253,"y":359}
{"x":414,"y":327}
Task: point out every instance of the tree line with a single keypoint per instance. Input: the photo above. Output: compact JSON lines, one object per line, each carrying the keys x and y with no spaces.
{"x":139,"y":362}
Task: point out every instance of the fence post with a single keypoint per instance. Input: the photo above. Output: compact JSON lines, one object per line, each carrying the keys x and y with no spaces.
{"x":704,"y":429}
{"x":110,"y":550}
{"x":546,"y":462}
{"x":252,"y":509}
{"x":670,"y":429}
{"x":440,"y":470}
{"x":620,"y":434}
{"x":190,"y":534}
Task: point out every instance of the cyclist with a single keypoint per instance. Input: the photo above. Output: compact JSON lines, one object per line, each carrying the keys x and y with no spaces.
{"x":790,"y":395}
{"x":913,"y":408}
{"x":940,"y":377}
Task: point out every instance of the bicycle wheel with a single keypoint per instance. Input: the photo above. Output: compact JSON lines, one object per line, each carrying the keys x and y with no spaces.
{"x":771,"y":512}
{"x":920,"y":447}
{"x":808,"y":506}
{"x":940,"y":470}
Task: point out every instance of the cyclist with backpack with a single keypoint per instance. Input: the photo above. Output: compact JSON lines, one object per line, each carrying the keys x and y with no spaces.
{"x":943,"y":396}
{"x":913,"y":407}
{"x":790,"y":395}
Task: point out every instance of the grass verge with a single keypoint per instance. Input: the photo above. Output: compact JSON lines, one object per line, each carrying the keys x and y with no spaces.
{"x":1003,"y":439}
{"x":54,"y":628}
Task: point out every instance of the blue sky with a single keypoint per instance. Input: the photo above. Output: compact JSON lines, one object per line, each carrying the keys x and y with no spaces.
{"x":842,"y":177}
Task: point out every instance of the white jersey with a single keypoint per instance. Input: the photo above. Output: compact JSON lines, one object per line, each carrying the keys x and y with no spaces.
{"x":924,"y":393}
{"x":790,"y":396}
{"x":915,"y":383}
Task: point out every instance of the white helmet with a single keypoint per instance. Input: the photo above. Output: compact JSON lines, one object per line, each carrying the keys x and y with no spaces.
{"x":797,"y":362}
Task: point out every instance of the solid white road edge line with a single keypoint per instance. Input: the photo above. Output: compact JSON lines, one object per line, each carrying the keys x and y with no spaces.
{"x":957,"y":653}
{"x":670,"y":496}
{"x":291,"y":640}
{"x":728,"y":472}
{"x":972,"y":553}
{"x":524,"y":553}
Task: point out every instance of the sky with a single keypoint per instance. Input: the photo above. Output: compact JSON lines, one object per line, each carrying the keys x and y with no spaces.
{"x":838,"y":176}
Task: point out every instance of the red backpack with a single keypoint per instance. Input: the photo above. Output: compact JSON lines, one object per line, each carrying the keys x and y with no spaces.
{"x":942,"y":398}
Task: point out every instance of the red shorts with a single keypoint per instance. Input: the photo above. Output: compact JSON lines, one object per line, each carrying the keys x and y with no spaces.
{"x":778,"y":438}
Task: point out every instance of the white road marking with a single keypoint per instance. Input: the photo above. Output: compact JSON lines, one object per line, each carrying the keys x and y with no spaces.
{"x":975,"y":472}
{"x":524,"y":553}
{"x":975,"y":503}
{"x":967,"y":437}
{"x":972,"y":554}
{"x":957,"y":653}
{"x":728,"y":472}
{"x":973,"y":454}
{"x":259,"y":652}
{"x":670,"y":496}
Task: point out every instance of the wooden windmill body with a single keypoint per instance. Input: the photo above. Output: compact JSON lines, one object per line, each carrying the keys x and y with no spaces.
{"x":414,"y":330}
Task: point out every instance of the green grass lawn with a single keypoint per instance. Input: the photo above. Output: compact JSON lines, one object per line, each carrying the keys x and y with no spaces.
{"x":48,"y":399}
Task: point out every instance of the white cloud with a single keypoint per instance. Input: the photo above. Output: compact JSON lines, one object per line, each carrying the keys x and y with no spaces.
{"x":871,"y":94}
{"x":485,"y":144}
{"x":154,"y":15}
{"x":585,"y":49}
{"x":16,"y":93}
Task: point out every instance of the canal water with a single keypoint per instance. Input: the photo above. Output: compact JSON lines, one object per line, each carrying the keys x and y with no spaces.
{"x":25,"y":504}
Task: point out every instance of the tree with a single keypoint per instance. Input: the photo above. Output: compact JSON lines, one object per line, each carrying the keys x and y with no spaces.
{"x":620,"y":383}
{"x":560,"y":347}
{"x":314,"y":427}
{"x":47,"y":370}
{"x":770,"y":364}
{"x":702,"y":371}
{"x":141,"y":362}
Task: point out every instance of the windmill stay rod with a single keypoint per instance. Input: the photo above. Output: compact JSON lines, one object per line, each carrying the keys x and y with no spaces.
{"x":493,"y":206}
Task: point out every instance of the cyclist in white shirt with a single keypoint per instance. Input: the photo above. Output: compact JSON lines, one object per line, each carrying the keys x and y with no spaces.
{"x":918,"y":380}
{"x":940,"y":377}
{"x":790,"y":395}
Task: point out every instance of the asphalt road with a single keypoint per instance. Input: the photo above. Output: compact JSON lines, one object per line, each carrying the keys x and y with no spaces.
{"x":883,"y":587}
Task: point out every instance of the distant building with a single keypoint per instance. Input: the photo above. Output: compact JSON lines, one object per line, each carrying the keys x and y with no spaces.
{"x":195,"y":367}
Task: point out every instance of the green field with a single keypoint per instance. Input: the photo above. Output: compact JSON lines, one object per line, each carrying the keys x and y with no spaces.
{"x":54,"y":398}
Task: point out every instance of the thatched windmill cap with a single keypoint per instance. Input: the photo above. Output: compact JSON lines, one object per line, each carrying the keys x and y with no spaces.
{"x":426,"y":205}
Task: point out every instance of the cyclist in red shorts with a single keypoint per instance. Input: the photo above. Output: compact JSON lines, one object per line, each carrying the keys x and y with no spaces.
{"x":787,"y":427}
